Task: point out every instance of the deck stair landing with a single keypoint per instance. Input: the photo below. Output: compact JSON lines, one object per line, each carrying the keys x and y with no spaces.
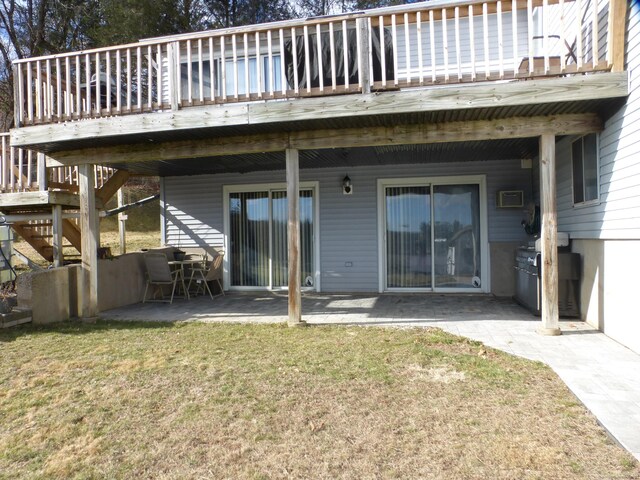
{"x":29,"y":191}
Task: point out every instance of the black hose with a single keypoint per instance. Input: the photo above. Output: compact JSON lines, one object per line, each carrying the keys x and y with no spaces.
{"x":3,"y":221}
{"x":15,"y":275}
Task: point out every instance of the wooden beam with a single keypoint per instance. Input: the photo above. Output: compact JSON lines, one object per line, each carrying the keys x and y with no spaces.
{"x":41,"y":172}
{"x":88,"y":226}
{"x":514,"y":127}
{"x":112,"y":186}
{"x":56,"y":240}
{"x":617,"y":33}
{"x":293,"y":237}
{"x":72,"y":233}
{"x":549,"y":236}
{"x":69,"y":187}
{"x":19,"y":200}
{"x":413,"y":100}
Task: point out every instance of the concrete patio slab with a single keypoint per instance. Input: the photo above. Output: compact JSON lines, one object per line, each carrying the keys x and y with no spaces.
{"x":603,"y":374}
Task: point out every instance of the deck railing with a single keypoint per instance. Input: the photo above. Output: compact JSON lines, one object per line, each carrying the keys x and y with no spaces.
{"x":24,"y":170}
{"x":400,"y":47}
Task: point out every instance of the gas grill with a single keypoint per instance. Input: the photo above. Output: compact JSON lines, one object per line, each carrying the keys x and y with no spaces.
{"x":529,"y":281}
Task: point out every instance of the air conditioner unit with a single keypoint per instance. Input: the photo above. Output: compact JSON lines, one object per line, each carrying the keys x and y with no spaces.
{"x":510,"y":199}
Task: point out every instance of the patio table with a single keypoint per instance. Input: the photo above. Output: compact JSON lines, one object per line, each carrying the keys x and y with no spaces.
{"x":180,"y":264}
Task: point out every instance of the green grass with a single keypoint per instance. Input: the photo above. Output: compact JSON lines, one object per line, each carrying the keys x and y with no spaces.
{"x":125,"y":400}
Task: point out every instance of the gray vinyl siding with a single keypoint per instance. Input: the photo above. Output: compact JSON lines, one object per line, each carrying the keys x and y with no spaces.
{"x":465,"y":50}
{"x":617,"y":214}
{"x":348,"y":224}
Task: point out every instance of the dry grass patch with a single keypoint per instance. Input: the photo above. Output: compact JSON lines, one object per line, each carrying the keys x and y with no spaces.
{"x":135,"y":242}
{"x":124,"y":400}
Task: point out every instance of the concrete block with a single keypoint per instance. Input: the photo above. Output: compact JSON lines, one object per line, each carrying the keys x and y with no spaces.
{"x":46,"y":294}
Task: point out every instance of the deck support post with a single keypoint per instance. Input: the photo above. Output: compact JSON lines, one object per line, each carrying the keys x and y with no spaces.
{"x":549,"y":236}
{"x":122,"y":221}
{"x":41,"y":172}
{"x":56,"y":241}
{"x":293,"y":234}
{"x":89,"y":226}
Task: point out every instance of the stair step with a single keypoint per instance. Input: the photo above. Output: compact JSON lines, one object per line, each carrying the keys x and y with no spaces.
{"x":37,"y":225}
{"x":65,"y":245}
{"x":40,"y":237}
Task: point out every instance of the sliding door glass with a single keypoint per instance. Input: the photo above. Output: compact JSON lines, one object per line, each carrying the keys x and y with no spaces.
{"x":258,"y":238}
{"x":408,"y":232}
{"x":456,"y":236}
{"x":279,"y":215}
{"x":249,"y":238}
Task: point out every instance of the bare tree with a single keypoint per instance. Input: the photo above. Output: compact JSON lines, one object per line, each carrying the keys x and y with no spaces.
{"x":36,"y":27}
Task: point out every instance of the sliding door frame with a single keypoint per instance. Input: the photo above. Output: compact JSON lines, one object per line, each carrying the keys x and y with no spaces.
{"x":479,"y":180}
{"x":269,"y":187}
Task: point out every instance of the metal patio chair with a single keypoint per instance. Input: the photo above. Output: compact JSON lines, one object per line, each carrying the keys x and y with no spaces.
{"x":201,"y":275}
{"x":159,"y":274}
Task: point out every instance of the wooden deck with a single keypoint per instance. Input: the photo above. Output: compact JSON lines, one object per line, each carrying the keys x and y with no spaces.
{"x":390,"y":49}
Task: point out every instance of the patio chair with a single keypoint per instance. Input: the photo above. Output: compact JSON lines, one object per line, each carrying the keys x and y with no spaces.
{"x":201,"y":275}
{"x":159,"y":274}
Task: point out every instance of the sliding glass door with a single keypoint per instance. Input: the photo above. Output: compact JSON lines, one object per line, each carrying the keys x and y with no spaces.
{"x":456,"y":214}
{"x":257,"y":239}
{"x":408,"y":233}
{"x":432,"y":235}
{"x":279,"y":244}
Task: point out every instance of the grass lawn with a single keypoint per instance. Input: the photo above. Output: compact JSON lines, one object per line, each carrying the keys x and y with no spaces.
{"x":134,"y":400}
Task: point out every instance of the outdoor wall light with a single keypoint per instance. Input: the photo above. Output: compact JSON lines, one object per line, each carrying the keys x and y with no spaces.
{"x":347,"y":188}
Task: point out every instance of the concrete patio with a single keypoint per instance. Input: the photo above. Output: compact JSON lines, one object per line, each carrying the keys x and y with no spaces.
{"x":604,"y":375}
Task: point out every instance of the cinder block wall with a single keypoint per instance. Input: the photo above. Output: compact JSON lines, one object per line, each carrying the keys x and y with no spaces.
{"x":52,"y":295}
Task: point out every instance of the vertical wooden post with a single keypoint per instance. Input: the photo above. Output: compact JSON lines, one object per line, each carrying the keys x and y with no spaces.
{"x":88,"y":292}
{"x":18,"y":88}
{"x":293,"y":232}
{"x":617,"y":29}
{"x":41,"y":172}
{"x":362,"y":26}
{"x":56,"y":241}
{"x":122,"y":220}
{"x":549,"y":236}
{"x":173,"y":54}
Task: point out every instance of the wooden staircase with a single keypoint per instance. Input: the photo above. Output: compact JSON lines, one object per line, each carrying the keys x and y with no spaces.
{"x":39,"y":234}
{"x":29,"y":191}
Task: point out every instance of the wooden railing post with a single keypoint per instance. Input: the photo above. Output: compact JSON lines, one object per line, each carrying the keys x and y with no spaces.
{"x":17,"y":96}
{"x":56,"y":241}
{"x":362,"y":26}
{"x":617,"y":29}
{"x":41,"y":173}
{"x":173,"y":54}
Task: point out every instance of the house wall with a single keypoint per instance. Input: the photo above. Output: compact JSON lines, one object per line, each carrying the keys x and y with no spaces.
{"x":607,"y":233}
{"x":608,"y":289}
{"x":193,"y":215}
